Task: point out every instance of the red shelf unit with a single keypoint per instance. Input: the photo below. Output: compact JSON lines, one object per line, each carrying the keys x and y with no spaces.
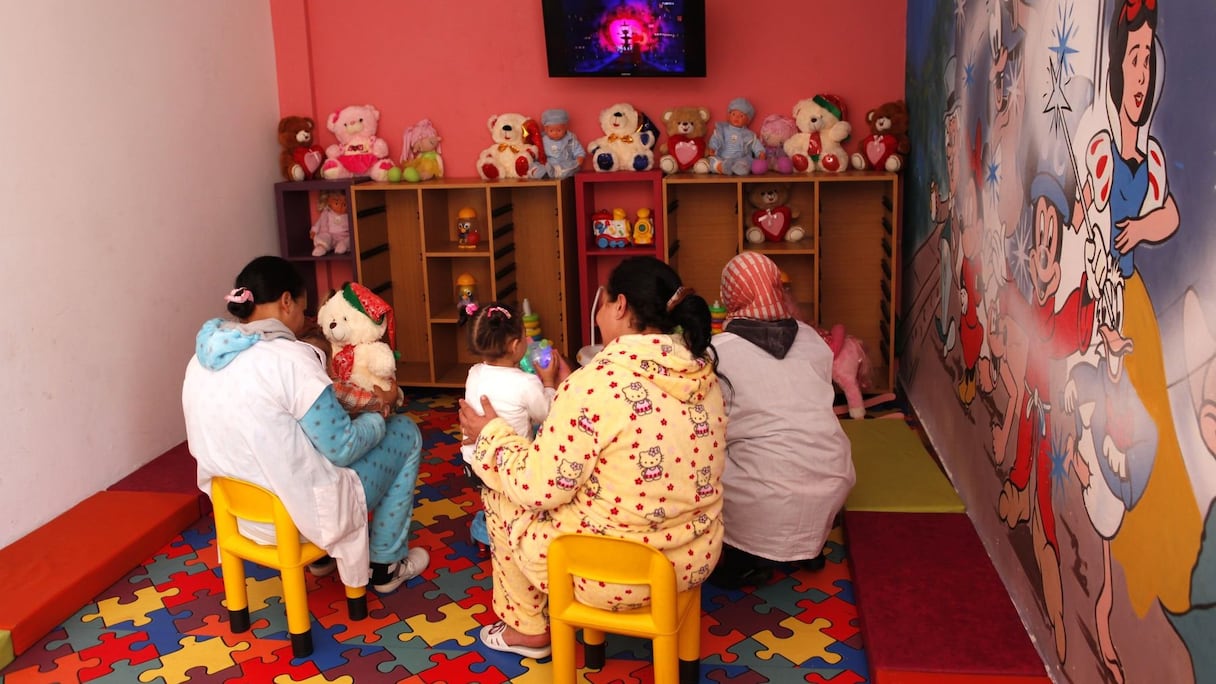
{"x":628,"y":190}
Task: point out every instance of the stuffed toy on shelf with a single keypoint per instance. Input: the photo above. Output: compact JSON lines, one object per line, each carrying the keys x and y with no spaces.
{"x":774,"y":131}
{"x":684,"y":149}
{"x":353,"y":320}
{"x":628,"y":141}
{"x":822,"y":132}
{"x":331,"y":232}
{"x":513,"y":152}
{"x":421,"y":158}
{"x":772,"y":219}
{"x":300,"y":156}
{"x":887,"y":145}
{"x":562,"y":153}
{"x":358,"y":151}
{"x":734,"y":146}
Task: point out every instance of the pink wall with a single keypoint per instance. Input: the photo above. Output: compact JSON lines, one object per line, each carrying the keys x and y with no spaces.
{"x":460,"y":63}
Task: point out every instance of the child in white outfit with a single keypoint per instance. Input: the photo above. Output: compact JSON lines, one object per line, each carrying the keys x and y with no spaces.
{"x":496,"y":334}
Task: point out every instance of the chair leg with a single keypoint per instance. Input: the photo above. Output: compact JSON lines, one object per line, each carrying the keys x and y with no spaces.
{"x":561,"y":639}
{"x":233,"y":570}
{"x":295,"y":596}
{"x":595,"y":653}
{"x":688,"y":643}
{"x":356,"y":603}
{"x":666,"y":660}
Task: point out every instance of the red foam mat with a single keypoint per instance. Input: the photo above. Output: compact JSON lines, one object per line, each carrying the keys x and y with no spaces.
{"x":47,"y":575}
{"x":173,"y":471}
{"x":932,"y":607}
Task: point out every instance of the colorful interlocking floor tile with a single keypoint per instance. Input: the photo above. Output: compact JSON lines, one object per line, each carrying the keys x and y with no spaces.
{"x":165,"y":622}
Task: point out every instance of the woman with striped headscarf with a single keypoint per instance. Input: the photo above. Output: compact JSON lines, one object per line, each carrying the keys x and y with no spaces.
{"x":789,"y":465}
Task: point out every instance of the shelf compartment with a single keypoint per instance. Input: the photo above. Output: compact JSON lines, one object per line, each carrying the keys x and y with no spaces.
{"x":440,"y":206}
{"x":451,"y":357}
{"x":441,"y":274}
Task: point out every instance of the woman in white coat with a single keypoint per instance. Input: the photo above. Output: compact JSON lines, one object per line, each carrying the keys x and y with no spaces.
{"x":789,"y":466}
{"x":260,"y":407}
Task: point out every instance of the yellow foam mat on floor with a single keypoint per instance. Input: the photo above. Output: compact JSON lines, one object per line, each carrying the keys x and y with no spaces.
{"x":895,"y":473}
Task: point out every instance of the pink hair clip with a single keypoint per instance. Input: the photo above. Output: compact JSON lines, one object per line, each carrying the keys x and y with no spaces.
{"x":240,"y":295}
{"x":499,"y":309}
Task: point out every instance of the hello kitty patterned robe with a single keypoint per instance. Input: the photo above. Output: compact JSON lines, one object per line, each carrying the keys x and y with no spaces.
{"x":634,"y":447}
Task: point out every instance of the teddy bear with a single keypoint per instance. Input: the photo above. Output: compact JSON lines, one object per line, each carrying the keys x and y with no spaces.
{"x":513,"y":151}
{"x":628,"y":141}
{"x":332,"y":229}
{"x":684,"y":149}
{"x":818,"y":146}
{"x":300,"y":156}
{"x":774,"y":131}
{"x":358,"y":151}
{"x":353,"y":320}
{"x":773,"y":218}
{"x":887,"y":144}
{"x":421,"y":158}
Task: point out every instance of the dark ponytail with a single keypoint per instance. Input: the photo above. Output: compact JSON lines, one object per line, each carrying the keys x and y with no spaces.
{"x":263,"y":280}
{"x":658,"y":299}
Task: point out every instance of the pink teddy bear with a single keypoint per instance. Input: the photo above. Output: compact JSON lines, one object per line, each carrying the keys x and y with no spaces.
{"x":774,"y":131}
{"x":358,"y":152}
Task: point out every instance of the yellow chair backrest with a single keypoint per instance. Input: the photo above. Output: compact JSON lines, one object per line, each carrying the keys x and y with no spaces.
{"x":614,"y":561}
{"x":234,"y":499}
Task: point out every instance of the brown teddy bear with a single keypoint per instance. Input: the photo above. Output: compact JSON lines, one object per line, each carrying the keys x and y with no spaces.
{"x":773,"y":218}
{"x":300,"y":156}
{"x":887,"y":144}
{"x":685,"y":146}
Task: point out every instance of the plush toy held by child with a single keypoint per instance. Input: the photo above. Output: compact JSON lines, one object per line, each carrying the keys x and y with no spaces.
{"x":733,"y":145}
{"x":563,"y":153}
{"x":331,"y":232}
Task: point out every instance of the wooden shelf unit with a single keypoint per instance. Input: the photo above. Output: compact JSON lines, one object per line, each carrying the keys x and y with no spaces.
{"x":295,"y":205}
{"x":843,"y":271}
{"x":407,"y":252}
{"x":628,"y":190}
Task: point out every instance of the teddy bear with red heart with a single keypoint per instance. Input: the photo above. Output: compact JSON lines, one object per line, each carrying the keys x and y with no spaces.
{"x":887,"y":144}
{"x":772,"y":219}
{"x":684,"y":149}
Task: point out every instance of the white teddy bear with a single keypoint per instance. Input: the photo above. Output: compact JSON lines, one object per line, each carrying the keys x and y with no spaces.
{"x":628,"y":141}
{"x":358,"y":152}
{"x":512,"y":153}
{"x":353,"y":320}
{"x":822,"y":130}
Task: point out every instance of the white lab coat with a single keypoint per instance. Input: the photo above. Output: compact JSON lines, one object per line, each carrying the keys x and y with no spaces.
{"x":241,"y":422}
{"x":789,"y":465}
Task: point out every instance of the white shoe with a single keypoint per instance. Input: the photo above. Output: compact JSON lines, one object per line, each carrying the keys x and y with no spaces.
{"x":386,"y":579}
{"x":323,"y":567}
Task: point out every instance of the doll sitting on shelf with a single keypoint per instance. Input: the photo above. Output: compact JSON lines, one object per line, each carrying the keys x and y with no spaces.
{"x":563,"y":153}
{"x":332,"y":229}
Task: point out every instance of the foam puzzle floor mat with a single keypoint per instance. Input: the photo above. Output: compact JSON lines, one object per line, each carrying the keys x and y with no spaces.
{"x":165,"y":622}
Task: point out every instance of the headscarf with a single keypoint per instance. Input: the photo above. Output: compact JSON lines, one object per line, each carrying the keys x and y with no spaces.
{"x":751,"y":288}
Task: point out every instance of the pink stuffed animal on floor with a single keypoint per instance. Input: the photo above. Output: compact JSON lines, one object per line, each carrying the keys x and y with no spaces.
{"x":850,"y":367}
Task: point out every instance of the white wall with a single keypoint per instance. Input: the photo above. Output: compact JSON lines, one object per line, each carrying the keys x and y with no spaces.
{"x":137,"y":157}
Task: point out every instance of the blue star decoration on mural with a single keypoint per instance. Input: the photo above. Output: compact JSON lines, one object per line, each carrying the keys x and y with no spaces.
{"x":1064,"y":31}
{"x":993,"y":175}
{"x":1059,"y":464}
{"x":968,"y":71}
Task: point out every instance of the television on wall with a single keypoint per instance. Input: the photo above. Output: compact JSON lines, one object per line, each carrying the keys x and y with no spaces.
{"x":656,"y":38}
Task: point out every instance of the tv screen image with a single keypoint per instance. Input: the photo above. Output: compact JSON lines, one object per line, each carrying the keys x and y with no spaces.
{"x":625,"y":37}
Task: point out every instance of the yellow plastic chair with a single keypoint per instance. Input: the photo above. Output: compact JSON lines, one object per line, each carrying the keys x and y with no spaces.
{"x":234,"y":499}
{"x":672,"y":621}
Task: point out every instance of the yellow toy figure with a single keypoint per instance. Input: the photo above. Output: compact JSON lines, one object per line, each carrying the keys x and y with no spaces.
{"x":643,"y":228}
{"x":467,"y":234}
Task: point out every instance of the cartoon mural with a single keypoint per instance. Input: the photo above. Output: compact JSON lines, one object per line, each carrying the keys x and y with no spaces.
{"x":1060,"y":193}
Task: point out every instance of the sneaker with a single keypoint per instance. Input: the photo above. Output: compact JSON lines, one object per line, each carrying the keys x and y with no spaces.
{"x":323,"y":566}
{"x":387,"y":577}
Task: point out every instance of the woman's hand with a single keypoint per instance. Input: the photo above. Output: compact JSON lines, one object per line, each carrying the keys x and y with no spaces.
{"x":471,"y":423}
{"x":387,"y":398}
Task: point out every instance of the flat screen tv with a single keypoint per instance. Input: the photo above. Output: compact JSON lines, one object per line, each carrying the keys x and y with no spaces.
{"x":625,"y":37}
